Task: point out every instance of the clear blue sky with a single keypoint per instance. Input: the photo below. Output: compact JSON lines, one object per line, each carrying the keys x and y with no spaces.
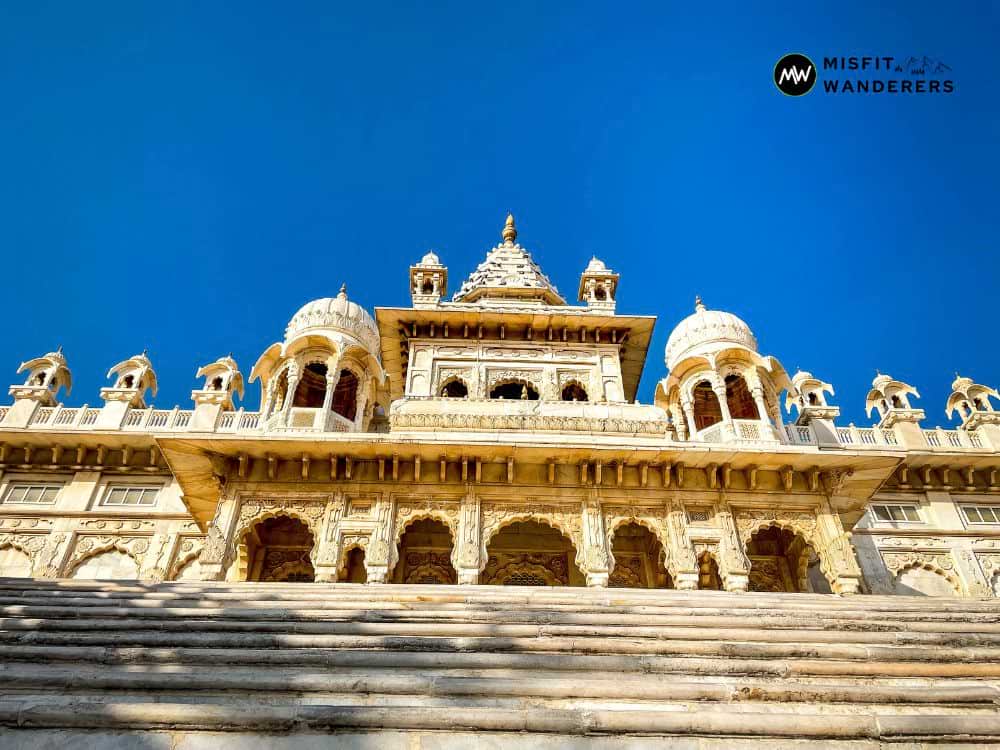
{"x":184,"y":176}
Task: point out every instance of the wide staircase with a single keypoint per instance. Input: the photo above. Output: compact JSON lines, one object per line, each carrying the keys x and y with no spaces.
{"x":192,"y":665}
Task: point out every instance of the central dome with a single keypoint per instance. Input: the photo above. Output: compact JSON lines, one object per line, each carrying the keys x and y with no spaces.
{"x":337,"y":313}
{"x":698,"y":333}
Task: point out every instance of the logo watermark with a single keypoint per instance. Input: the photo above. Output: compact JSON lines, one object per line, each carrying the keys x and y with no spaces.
{"x":796,"y":74}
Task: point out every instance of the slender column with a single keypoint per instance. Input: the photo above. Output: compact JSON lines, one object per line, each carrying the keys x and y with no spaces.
{"x":734,"y":565}
{"x":727,"y":417}
{"x":377,"y":559}
{"x":688,"y":408}
{"x":218,"y":542}
{"x":466,"y":554}
{"x":682,"y":552}
{"x":293,"y":385}
{"x":595,"y":543}
{"x":327,"y":548}
{"x":837,"y":554}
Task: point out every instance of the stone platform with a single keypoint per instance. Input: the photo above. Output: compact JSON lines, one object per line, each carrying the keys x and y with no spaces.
{"x":192,"y":665}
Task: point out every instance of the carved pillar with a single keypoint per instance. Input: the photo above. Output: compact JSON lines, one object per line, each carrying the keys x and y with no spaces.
{"x":218,"y":542}
{"x":52,"y":557}
{"x":327,"y":549}
{"x":977,"y":583}
{"x":836,"y":553}
{"x":293,"y":385}
{"x":727,"y":417}
{"x":332,"y":378}
{"x":734,"y":565}
{"x":682,"y":551}
{"x":758,"y":399}
{"x":157,"y":559}
{"x":378,"y":556}
{"x":466,"y":555}
{"x":595,"y":542}
{"x":688,"y":408}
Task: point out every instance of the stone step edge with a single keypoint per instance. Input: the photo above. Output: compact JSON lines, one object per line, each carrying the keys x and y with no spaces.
{"x":284,"y":719}
{"x":533,"y":661}
{"x":249,"y":680}
{"x":860,"y":620}
{"x":504,"y":594}
{"x":738,"y":632}
{"x":519,"y":644}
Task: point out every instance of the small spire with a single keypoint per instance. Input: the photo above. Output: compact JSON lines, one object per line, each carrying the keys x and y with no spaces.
{"x":509,"y":233}
{"x":698,"y":304}
{"x":144,"y":352}
{"x":343,"y":290}
{"x":59,"y":351}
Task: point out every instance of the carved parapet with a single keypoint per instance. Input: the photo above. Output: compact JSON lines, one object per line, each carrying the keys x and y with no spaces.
{"x":512,"y":414}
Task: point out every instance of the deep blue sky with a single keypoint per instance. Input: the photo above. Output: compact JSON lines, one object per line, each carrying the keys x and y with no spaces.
{"x":184,"y":177}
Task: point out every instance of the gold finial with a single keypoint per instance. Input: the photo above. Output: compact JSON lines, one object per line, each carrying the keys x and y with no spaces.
{"x":698,"y":304}
{"x":509,"y":233}
{"x":343,"y":290}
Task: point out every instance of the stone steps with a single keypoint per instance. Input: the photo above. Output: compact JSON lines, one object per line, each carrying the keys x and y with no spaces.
{"x":80,"y":657}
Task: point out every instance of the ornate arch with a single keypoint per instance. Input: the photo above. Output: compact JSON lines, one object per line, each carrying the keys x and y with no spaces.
{"x":936,"y":562}
{"x":89,"y":547}
{"x":189,"y":550}
{"x":498,"y":517}
{"x":613,"y":522}
{"x":407,"y":514}
{"x":29,"y":545}
{"x":253,"y":512}
{"x":802,"y":523}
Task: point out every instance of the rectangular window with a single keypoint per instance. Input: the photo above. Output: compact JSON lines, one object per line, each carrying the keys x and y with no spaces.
{"x":981,"y":514}
{"x":896,"y":513}
{"x":32,"y":494}
{"x":131,"y":496}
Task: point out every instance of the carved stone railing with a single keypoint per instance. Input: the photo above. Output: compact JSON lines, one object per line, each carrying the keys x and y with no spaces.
{"x":491,"y":415}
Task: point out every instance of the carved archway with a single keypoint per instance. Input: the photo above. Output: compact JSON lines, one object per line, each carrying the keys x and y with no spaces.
{"x":118,"y":550}
{"x":638,"y":556}
{"x":708,"y":572}
{"x":614,"y":522}
{"x":951,"y":580}
{"x":521,"y":543}
{"x":424,"y":551}
{"x":16,"y":561}
{"x":273,"y":542}
{"x":496,"y":518}
{"x":88,"y":548}
{"x":785,"y":567}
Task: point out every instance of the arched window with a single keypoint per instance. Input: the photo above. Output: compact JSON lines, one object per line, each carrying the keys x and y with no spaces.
{"x":217,"y":383}
{"x":517,"y":389}
{"x":455,"y":388}
{"x":428,"y":287}
{"x":127,"y":381}
{"x":897,"y":402}
{"x":345,"y":395}
{"x":706,"y":406}
{"x":354,"y":570}
{"x":739,"y":398}
{"x":980,"y":406}
{"x":573,"y":391}
{"x":311,"y":391}
{"x":813,"y":398}
{"x":600,"y":294}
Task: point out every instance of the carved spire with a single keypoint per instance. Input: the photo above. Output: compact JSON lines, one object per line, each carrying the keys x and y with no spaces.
{"x":698,"y":304}
{"x":343,"y":291}
{"x":509,"y":233}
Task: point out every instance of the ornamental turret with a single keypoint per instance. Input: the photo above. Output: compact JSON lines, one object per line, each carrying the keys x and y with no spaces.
{"x":972,"y":403}
{"x":598,"y":286}
{"x":223,"y":380}
{"x":428,"y":281}
{"x":890,"y":399}
{"x":807,"y":396}
{"x":46,"y":376}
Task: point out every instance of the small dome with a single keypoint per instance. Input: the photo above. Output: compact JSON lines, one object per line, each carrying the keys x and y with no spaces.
{"x":338,"y":313}
{"x":430,"y":259}
{"x":596,"y":265}
{"x":698,"y":331}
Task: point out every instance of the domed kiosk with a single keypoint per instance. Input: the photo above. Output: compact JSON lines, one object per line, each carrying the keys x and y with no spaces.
{"x":719,"y":387}
{"x":327,"y":374}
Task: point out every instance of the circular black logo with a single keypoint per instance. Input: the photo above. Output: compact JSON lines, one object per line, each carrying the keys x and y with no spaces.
{"x":795,"y":75}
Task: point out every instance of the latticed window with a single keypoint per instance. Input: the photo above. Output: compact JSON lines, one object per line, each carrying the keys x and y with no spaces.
{"x":905,"y":513}
{"x":144,"y":496}
{"x":525,"y":579}
{"x":32,"y":494}
{"x":981,"y":514}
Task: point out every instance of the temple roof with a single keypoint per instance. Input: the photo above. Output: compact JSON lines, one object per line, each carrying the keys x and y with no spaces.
{"x":508,"y":272}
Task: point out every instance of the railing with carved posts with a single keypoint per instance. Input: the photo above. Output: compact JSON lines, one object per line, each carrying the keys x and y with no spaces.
{"x":440,"y":413}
